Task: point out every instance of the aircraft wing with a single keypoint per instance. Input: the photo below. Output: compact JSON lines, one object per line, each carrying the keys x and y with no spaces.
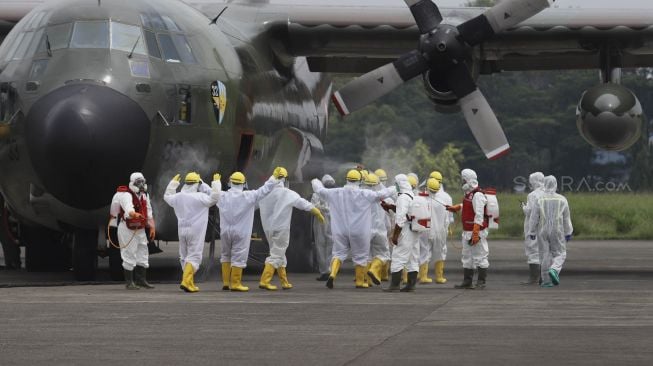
{"x":358,"y":36}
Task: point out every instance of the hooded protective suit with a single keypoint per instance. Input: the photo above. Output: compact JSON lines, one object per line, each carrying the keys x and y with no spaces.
{"x":405,"y":254}
{"x":133,"y":242}
{"x":351,"y":218}
{"x":379,"y":246}
{"x":474,"y":256}
{"x":550,"y":222}
{"x":440,"y":221}
{"x":237,"y":208}
{"x":276,"y":211}
{"x":192,"y":210}
{"x":536,"y":181}
{"x":322,"y":232}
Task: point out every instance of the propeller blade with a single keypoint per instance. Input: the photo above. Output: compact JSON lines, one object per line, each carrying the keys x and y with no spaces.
{"x":366,"y":89}
{"x":477,"y":111}
{"x":426,"y":14}
{"x":502,"y":16}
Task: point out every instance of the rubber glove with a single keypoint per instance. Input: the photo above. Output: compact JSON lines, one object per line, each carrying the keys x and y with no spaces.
{"x":568,"y":237}
{"x":152,"y":232}
{"x":177,"y":178}
{"x":476,"y":234}
{"x":395,"y":235}
{"x":217,"y":177}
{"x":278,"y":172}
{"x":532,"y":237}
{"x":316,"y":211}
{"x":454,"y":208}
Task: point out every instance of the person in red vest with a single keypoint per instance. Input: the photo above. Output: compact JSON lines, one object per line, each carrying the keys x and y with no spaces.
{"x":135,"y":217}
{"x":475,"y":222}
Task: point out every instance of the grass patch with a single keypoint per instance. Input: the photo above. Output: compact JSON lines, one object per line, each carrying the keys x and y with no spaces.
{"x":626,"y":216}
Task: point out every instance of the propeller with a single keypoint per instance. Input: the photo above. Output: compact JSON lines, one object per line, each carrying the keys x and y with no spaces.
{"x":443,"y":51}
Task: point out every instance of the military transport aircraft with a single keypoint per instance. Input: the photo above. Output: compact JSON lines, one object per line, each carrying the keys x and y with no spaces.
{"x":92,"y":90}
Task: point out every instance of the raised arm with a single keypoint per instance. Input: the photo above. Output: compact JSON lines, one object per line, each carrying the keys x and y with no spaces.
{"x":171,"y":190}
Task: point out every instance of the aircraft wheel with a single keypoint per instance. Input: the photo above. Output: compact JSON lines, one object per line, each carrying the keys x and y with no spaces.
{"x":10,"y":245}
{"x":300,"y":252}
{"x":45,"y":250}
{"x":85,"y":254}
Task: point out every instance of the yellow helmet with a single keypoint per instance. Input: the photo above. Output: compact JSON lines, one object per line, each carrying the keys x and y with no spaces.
{"x":436,"y":175}
{"x":280,"y":172}
{"x":371,"y":179}
{"x":433,"y":185}
{"x":381,"y":174}
{"x":412,"y":180}
{"x":237,"y":178}
{"x":192,"y":178}
{"x":354,"y":176}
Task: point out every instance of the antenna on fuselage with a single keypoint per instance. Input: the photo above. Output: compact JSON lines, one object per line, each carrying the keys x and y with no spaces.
{"x":133,"y":48}
{"x":215,"y":20}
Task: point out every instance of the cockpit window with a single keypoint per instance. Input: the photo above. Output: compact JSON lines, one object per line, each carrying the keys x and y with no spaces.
{"x":170,"y":24}
{"x":90,"y":35}
{"x":58,"y":37}
{"x":183,"y":47}
{"x":152,"y":46}
{"x":168,"y":47}
{"x":176,"y":48}
{"x":153,"y":21}
{"x":16,"y":43}
{"x":36,"y":20}
{"x":127,"y":38}
{"x":24,"y":43}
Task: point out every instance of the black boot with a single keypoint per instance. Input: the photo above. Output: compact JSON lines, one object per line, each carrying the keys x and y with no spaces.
{"x":395,"y":281}
{"x":412,"y":281}
{"x":129,"y":281}
{"x":139,"y":276}
{"x":534,"y":275}
{"x":480,"y":281}
{"x":323,"y":277}
{"x":468,"y":276}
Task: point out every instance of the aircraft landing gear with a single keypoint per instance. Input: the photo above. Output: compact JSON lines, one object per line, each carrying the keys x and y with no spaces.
{"x":45,"y":249}
{"x":85,"y":254}
{"x":8,"y":239}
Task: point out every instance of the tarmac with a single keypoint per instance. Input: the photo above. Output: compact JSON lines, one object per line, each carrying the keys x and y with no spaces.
{"x":601,"y":314}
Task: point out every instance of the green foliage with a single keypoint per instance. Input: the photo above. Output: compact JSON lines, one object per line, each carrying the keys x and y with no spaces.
{"x":481,"y":3}
{"x":594,"y":216}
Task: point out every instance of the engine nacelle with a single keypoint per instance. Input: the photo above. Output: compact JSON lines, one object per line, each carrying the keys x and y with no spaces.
{"x":443,"y":98}
{"x":609,"y":116}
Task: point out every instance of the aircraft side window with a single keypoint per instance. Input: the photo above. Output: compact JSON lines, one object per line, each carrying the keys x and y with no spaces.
{"x":57,"y":35}
{"x":183,"y":48}
{"x":38,"y":69}
{"x":168,"y":47}
{"x":90,"y":35}
{"x":36,"y":41}
{"x":153,"y":21}
{"x":7,"y":101}
{"x":24,"y":44}
{"x":152,"y":45}
{"x":14,"y":46}
{"x":36,"y":20}
{"x":170,"y":24}
{"x":124,"y":37}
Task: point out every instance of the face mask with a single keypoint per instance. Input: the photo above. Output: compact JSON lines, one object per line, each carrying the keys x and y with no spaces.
{"x":140,"y":185}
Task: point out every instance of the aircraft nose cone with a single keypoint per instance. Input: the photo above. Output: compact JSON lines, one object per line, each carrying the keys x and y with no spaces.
{"x":84,"y":140}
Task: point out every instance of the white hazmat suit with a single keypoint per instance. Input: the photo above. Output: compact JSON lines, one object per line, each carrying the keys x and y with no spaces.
{"x":550,"y":222}
{"x":322,"y":232}
{"x":237,"y":208}
{"x":192,"y":210}
{"x":536,"y":181}
{"x":405,"y":255}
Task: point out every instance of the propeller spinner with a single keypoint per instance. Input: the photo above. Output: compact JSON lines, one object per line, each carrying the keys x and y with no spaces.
{"x":442,"y":51}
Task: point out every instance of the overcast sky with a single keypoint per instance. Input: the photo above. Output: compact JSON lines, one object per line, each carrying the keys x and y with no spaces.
{"x":577,"y":3}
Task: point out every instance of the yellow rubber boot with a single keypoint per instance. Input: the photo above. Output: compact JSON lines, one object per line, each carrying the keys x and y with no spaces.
{"x":404,"y":276}
{"x":374,"y":271}
{"x":439,"y":272}
{"x":191,"y":280}
{"x":266,"y":277}
{"x":283,"y":277}
{"x":424,"y":273}
{"x":236,"y":278}
{"x":335,"y":267}
{"x":360,"y":276}
{"x":226,"y":275}
{"x":186,"y":279}
{"x":385,"y":271}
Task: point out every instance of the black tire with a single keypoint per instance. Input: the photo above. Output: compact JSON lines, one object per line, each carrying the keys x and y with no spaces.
{"x":115,"y":261}
{"x":10,"y":246}
{"x":45,"y":249}
{"x":300,"y":251}
{"x":85,"y":254}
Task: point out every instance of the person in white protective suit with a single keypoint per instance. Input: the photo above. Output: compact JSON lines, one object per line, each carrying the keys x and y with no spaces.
{"x":405,"y":254}
{"x":475,"y":221}
{"x":351,"y":220}
{"x":440,"y":220}
{"x":379,"y":246}
{"x":276,"y":211}
{"x":322,"y":232}
{"x":536,"y":182}
{"x":237,"y":208}
{"x":550,"y":224}
{"x":439,"y":248}
{"x":389,"y":220}
{"x":191,"y":207}
{"x":132,"y":208}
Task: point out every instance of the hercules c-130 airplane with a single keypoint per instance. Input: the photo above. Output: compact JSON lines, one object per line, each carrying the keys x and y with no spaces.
{"x":92,"y":90}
